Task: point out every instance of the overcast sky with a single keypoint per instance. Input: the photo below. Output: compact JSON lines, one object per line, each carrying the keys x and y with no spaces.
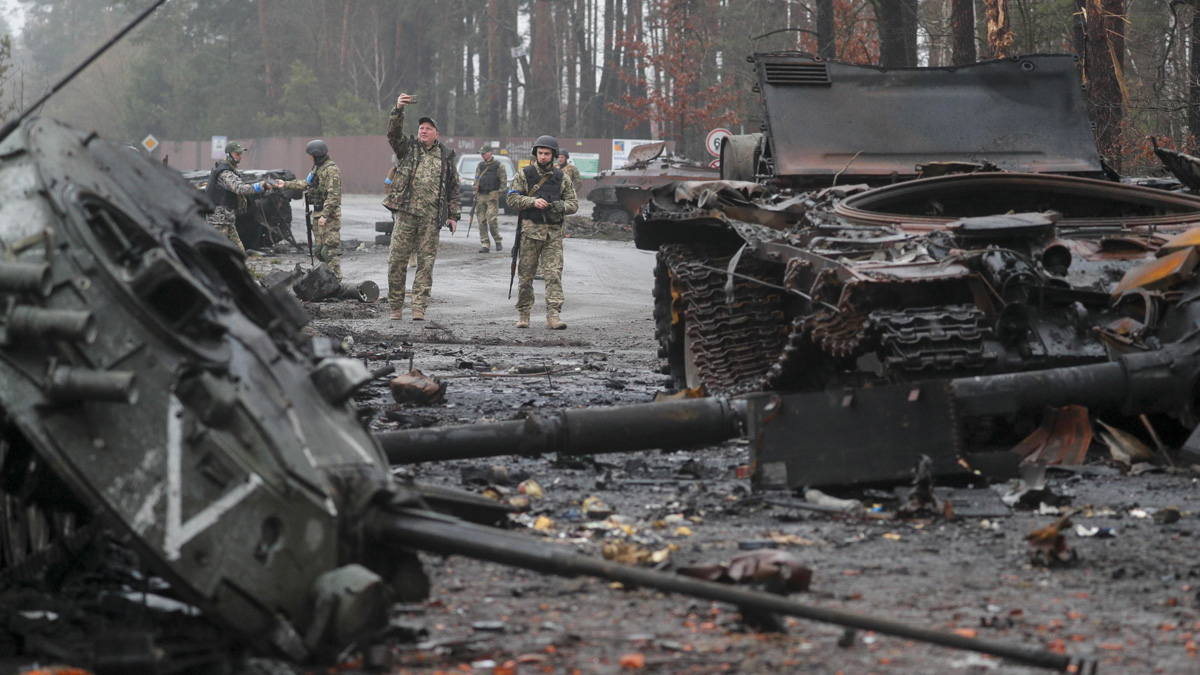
{"x":13,"y":13}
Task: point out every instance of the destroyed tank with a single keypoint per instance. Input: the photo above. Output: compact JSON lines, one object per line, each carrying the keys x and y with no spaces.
{"x":185,"y":478}
{"x":894,"y":231}
{"x":621,"y":191}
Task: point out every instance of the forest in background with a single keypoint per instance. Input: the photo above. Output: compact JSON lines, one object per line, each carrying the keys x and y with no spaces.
{"x":579,"y":68}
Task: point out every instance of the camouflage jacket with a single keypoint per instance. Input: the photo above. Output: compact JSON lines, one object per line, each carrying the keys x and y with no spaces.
{"x":572,"y":173}
{"x":231,"y":181}
{"x":442,"y":190}
{"x":324,"y":186}
{"x":518,"y":199}
{"x":495,"y":166}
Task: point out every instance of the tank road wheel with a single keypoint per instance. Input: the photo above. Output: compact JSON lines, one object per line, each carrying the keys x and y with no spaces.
{"x":669,"y":328}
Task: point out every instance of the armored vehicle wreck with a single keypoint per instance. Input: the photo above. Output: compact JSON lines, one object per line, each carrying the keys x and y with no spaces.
{"x":919,"y":228}
{"x":621,"y":191}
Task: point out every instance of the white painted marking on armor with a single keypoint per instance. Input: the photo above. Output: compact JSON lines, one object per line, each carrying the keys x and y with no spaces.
{"x":179,"y":533}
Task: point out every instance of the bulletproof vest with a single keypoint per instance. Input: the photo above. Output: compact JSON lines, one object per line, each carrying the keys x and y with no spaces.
{"x":489,"y":180}
{"x":216,"y":192}
{"x":314,"y":186}
{"x":551,"y":191}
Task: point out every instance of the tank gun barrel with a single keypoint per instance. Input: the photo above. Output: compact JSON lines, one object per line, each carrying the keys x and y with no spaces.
{"x":444,"y":535}
{"x":668,"y":425}
{"x":1142,"y":382}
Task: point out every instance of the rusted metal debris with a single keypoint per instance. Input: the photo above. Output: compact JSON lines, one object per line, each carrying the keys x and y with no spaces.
{"x":416,"y":387}
{"x":774,"y":571}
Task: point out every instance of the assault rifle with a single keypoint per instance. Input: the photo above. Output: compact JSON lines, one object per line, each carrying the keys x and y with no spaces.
{"x":516,"y":250}
{"x":308,"y":226}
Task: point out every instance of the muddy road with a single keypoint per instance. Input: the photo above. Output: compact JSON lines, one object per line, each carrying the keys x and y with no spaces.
{"x":1131,"y":601}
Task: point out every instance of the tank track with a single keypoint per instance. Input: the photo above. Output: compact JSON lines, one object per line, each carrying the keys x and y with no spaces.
{"x":932,"y":338}
{"x":734,"y":345}
{"x":750,"y":346}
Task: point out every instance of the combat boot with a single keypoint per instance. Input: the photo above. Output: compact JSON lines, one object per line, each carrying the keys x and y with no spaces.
{"x":555,"y":323}
{"x":484,"y":249}
{"x":418,"y":314}
{"x":499,"y":246}
{"x":523,"y":321}
{"x":397,"y":314}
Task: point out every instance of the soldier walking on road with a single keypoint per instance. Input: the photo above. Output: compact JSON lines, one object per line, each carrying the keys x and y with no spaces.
{"x":324,"y":186}
{"x":228,"y":192}
{"x":544,"y":197}
{"x":490,"y":180}
{"x":423,"y":197}
{"x":570,"y":170}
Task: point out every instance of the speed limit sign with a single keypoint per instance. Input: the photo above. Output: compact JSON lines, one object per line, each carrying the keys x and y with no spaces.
{"x":713,"y":142}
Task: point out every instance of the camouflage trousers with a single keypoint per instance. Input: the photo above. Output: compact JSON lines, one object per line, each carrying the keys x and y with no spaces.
{"x":488,"y":208}
{"x":411,"y":234}
{"x":224,"y":220}
{"x":544,"y":256}
{"x":327,"y":244}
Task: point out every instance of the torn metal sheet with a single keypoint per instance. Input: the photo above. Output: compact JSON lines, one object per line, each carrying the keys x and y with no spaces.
{"x":1063,"y":438}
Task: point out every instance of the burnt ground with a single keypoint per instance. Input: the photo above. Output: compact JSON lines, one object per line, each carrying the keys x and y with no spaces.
{"x":1130,"y":601}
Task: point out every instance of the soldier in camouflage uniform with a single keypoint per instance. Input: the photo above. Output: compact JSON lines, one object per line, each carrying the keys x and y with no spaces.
{"x":423,"y":197}
{"x":491,"y":179}
{"x":544,"y":197}
{"x":324,"y":186}
{"x":570,"y":170}
{"x":228,"y":192}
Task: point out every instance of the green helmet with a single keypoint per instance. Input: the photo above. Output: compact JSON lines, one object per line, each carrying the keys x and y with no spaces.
{"x":546,"y":142}
{"x":233,"y":147}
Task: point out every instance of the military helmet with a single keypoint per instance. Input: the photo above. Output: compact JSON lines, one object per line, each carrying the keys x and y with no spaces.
{"x":564,"y":154}
{"x":316,"y":148}
{"x":487,"y":147}
{"x":233,"y":147}
{"x":545,"y":142}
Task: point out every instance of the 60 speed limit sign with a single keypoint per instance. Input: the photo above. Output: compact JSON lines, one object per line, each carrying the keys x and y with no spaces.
{"x":713,"y":142}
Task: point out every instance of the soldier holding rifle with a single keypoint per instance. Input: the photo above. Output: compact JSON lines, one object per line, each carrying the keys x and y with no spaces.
{"x":323,"y":193}
{"x":545,"y":197}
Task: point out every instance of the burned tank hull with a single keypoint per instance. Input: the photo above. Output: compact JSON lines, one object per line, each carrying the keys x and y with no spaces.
{"x":894,"y":231}
{"x":916,"y":284}
{"x":621,"y":192}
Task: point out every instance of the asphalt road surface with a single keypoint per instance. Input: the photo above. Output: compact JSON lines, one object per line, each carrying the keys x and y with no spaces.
{"x":603,"y":281}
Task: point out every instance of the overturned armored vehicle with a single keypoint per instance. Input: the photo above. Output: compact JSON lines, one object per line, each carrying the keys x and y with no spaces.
{"x":925,"y":252}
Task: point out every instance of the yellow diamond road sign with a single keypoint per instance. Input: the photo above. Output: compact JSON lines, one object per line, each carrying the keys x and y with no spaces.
{"x":150,"y":143}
